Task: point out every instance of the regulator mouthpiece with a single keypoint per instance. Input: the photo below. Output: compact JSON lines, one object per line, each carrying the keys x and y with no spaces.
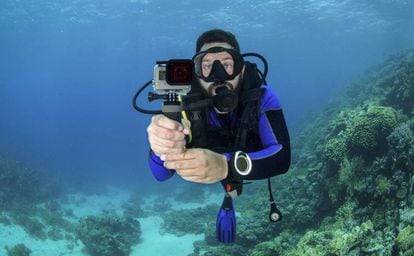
{"x":225,"y":100}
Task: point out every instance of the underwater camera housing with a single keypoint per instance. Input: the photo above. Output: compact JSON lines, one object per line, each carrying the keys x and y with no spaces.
{"x":172,"y":78}
{"x":174,"y":75}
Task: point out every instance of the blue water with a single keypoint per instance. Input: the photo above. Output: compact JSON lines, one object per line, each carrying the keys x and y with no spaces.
{"x":68,"y":69}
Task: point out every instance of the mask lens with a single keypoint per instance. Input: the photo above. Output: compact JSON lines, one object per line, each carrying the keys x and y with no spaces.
{"x":226,"y":60}
{"x":230,"y":60}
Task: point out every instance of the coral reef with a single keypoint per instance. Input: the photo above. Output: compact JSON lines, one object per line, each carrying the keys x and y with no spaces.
{"x":405,"y":241}
{"x":370,"y":128}
{"x":32,"y":225}
{"x":334,"y":241}
{"x":405,"y":238}
{"x":21,"y":185}
{"x":350,"y":190}
{"x":133,"y":207}
{"x":188,"y":221}
{"x":399,"y":89}
{"x":18,"y":250}
{"x":22,"y":192}
{"x":278,"y":246}
{"x":42,"y":222}
{"x":335,"y":150}
{"x":361,"y":134}
{"x":108,"y":234}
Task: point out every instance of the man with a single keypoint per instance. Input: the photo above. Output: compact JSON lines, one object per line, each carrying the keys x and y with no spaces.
{"x":227,"y":149}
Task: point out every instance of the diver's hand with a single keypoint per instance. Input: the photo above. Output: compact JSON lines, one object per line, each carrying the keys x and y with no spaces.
{"x":198,"y":165}
{"x":167,"y":136}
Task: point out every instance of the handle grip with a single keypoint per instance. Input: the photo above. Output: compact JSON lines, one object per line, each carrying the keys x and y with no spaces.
{"x":172,"y":110}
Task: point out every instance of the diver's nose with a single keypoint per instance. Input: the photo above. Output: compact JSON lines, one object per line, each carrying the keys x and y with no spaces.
{"x":218,"y":73}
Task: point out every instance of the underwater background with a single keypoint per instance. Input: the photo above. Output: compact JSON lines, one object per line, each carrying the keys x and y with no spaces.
{"x":74,"y":178}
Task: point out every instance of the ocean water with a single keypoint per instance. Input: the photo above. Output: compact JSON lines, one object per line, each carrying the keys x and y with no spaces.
{"x":69,"y":69}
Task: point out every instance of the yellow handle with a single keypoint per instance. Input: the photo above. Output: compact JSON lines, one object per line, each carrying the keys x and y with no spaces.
{"x":184,"y":115}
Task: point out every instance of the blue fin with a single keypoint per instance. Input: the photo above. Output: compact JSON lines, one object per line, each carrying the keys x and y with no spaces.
{"x":226,"y":222}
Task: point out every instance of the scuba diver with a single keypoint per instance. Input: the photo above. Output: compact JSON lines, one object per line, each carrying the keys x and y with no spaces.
{"x":234,"y":131}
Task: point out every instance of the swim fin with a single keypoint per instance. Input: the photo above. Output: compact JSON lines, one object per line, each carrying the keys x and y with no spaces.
{"x":226,"y":221}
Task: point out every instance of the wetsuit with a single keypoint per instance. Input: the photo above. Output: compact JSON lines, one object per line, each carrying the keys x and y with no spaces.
{"x":273,"y":156}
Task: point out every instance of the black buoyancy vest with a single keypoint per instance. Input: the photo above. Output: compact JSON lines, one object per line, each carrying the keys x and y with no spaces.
{"x":240,"y":132}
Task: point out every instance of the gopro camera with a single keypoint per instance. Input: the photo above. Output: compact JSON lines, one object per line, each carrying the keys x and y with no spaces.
{"x":174,"y":75}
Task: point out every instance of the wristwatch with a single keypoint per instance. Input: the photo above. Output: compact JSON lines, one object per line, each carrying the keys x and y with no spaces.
{"x":241,"y":164}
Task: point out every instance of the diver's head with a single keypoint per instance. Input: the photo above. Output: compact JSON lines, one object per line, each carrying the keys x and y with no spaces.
{"x":219,"y":65}
{"x":217,"y":36}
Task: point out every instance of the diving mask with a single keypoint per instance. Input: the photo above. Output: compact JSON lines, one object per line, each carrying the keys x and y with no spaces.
{"x":218,"y":64}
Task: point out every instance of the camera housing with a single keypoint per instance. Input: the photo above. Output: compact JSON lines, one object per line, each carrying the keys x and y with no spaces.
{"x":174,"y":75}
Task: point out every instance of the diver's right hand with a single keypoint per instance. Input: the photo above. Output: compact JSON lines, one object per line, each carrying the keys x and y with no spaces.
{"x":166,"y":136}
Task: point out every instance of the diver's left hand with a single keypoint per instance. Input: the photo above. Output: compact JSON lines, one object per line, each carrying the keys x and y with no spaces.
{"x":198,"y":165}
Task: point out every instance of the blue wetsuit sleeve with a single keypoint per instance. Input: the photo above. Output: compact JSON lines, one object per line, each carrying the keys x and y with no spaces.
{"x":274,"y":158}
{"x":157,"y":168}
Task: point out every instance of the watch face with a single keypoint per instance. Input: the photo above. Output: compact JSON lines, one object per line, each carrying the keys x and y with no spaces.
{"x":242,"y":163}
